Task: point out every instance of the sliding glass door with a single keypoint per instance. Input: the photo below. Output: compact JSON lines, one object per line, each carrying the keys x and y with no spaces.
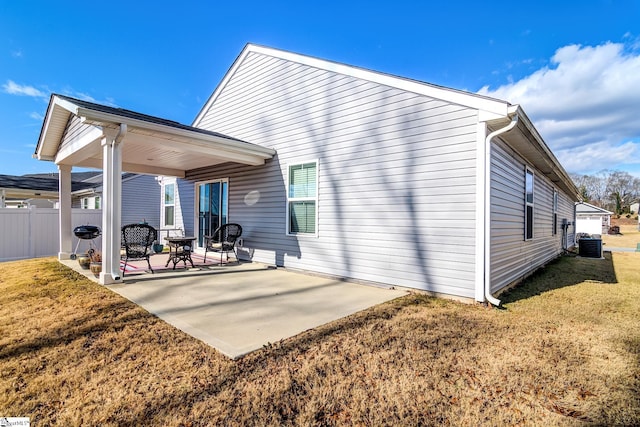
{"x":213,"y":207}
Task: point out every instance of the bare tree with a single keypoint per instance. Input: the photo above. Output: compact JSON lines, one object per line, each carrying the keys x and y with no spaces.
{"x":612,"y":190}
{"x":623,"y":189}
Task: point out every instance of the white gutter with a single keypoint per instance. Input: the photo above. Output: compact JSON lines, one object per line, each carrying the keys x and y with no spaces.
{"x":487,"y":209}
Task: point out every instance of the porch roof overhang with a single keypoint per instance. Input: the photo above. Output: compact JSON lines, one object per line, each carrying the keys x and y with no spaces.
{"x":73,"y":130}
{"x":526,"y":141}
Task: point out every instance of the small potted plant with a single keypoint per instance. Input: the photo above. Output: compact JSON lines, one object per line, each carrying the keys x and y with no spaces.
{"x":158,"y":247}
{"x":84,"y":260}
{"x":96,"y":261}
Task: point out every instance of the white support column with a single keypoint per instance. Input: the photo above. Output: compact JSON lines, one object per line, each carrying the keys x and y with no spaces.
{"x":111,"y":205}
{"x":64,"y":211}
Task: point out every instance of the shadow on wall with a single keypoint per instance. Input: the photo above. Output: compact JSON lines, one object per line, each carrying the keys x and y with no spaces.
{"x":263,"y":214}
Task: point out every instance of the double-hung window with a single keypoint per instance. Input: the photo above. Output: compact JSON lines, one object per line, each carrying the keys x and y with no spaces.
{"x":169,"y":203}
{"x":528,"y":201}
{"x":555,"y":212}
{"x":302,"y":198}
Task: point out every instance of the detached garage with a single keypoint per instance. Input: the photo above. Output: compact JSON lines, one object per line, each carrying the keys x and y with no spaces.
{"x":592,"y":219}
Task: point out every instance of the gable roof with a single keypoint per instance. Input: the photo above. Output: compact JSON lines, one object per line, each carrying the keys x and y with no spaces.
{"x":75,"y":176}
{"x":496,"y":113}
{"x":36,"y":187}
{"x":586,"y":208}
{"x":152,"y":145}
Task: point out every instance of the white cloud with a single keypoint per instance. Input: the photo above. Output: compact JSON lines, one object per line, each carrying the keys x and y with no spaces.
{"x":14,"y":88}
{"x":586,"y":105}
{"x":36,"y":116}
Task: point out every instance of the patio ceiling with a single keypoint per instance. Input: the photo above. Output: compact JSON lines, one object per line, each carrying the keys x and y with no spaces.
{"x":73,"y":131}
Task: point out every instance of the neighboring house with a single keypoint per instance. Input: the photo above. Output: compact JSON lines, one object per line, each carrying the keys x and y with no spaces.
{"x":140,"y":198}
{"x":591,"y":219}
{"x":634,"y":208}
{"x":339,"y":170}
{"x":140,"y":194}
{"x":33,"y":190}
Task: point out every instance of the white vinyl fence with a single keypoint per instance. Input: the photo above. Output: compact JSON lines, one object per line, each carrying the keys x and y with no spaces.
{"x":34,"y":232}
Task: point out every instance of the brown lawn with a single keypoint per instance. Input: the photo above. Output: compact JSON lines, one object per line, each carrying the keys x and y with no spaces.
{"x":564,"y":350}
{"x":629,"y":237}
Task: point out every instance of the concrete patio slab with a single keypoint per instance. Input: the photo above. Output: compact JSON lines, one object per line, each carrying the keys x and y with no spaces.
{"x":241,"y":308}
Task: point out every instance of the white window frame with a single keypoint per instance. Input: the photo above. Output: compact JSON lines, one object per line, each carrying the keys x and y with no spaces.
{"x":554,"y":218}
{"x":529,"y":204}
{"x":165,"y":204}
{"x":85,"y":203}
{"x":196,"y":204}
{"x":291,"y":200}
{"x":97,"y":202}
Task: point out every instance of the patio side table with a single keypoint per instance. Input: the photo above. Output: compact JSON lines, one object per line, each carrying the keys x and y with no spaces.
{"x":180,"y":250}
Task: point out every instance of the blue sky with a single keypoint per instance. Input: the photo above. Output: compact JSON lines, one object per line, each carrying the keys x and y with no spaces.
{"x":573,"y":66}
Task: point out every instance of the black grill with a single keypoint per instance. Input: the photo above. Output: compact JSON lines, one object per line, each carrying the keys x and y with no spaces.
{"x":86,"y":232}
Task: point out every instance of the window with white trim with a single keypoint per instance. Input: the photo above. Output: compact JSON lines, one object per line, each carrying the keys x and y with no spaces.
{"x":302,"y":198}
{"x":528,"y":202}
{"x":169,"y":204}
{"x":555,"y":212}
{"x":97,"y":203}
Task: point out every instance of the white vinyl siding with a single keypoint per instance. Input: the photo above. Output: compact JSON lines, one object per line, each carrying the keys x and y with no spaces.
{"x":512,"y":257}
{"x":141,"y":200}
{"x":74,"y":131}
{"x":397,"y":181}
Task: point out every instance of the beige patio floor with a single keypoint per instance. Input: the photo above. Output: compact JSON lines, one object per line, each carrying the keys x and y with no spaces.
{"x":241,"y":308}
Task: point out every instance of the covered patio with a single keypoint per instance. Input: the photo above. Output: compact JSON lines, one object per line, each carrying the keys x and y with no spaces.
{"x":77,"y":133}
{"x":236,"y":308}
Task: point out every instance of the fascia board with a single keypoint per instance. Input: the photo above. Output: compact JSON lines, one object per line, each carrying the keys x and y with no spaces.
{"x":23,"y":193}
{"x":222,"y":84}
{"x":136,"y":168}
{"x":595,"y":209}
{"x":545,"y":152}
{"x":55,"y":112}
{"x":188,"y":137}
{"x":76,"y":149}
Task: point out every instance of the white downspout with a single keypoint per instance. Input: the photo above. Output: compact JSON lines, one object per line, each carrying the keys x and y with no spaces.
{"x":487,"y":209}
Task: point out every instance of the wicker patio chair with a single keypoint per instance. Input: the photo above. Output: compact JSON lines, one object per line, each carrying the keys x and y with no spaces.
{"x":137,"y":240}
{"x":223,"y":240}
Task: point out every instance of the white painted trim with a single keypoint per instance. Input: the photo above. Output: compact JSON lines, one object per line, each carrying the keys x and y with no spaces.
{"x":481,"y":201}
{"x":163,"y":204}
{"x":76,"y":151}
{"x":196,"y":204}
{"x":317,"y":198}
{"x":136,"y":168}
{"x":64,"y":213}
{"x":186,"y":136}
{"x":533,"y":204}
